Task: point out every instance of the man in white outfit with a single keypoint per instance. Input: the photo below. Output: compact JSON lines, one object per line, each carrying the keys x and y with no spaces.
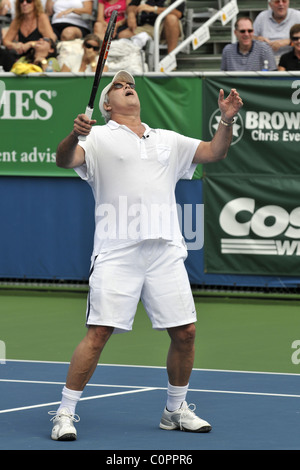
{"x":138,"y":252}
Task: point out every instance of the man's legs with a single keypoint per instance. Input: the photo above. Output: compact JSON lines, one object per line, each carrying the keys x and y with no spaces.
{"x":181,"y":354}
{"x":171,"y":31}
{"x":82,"y":367}
{"x":180,"y":362}
{"x":177,"y":414}
{"x":86,"y":357}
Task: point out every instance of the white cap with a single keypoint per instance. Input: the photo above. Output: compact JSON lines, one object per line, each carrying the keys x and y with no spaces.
{"x":121,"y":75}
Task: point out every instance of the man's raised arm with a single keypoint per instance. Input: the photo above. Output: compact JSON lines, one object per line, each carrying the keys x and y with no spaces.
{"x":218,"y":147}
{"x":69,"y":154}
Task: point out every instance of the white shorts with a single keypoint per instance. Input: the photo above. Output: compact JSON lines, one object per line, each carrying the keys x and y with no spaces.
{"x":153,"y":271}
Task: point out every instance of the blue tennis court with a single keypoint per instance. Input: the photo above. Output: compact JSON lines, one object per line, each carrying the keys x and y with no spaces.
{"x":122,"y":405}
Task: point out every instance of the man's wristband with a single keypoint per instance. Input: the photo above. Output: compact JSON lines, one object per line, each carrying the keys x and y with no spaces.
{"x":227,"y":124}
{"x":155,"y":9}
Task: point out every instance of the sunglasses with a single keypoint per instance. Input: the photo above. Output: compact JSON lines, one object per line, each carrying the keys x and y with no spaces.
{"x":118,"y":85}
{"x":243,"y":31}
{"x":89,"y":46}
{"x":27,"y":1}
{"x":296,"y":38}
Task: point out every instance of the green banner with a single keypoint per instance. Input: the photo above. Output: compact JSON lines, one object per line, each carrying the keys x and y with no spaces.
{"x":252,"y":198}
{"x":36,"y":113}
{"x":266,"y":133}
{"x":252,"y":225}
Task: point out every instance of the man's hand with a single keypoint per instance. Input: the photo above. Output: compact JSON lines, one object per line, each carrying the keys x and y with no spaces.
{"x":279,"y":43}
{"x":229,"y":106}
{"x":83,"y":125}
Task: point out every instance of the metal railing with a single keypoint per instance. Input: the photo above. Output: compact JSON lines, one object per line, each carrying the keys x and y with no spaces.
{"x":197,"y":38}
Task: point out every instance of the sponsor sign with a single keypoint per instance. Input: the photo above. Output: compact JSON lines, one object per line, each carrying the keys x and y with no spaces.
{"x":200,"y":36}
{"x":253,"y":196}
{"x":36,"y":113}
{"x":229,"y":11}
{"x":253,"y":225}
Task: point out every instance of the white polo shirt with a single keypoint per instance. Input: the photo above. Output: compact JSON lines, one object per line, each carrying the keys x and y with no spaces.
{"x":133,"y":182}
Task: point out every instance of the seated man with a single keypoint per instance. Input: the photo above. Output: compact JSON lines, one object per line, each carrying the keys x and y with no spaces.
{"x":247,"y":54}
{"x":141,"y":18}
{"x":43,"y":54}
{"x":273,"y":25}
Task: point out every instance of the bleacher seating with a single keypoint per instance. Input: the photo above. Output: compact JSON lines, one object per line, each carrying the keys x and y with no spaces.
{"x":197,"y":12}
{"x":208,"y":56}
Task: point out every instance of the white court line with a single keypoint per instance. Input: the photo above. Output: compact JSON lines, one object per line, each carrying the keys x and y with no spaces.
{"x":138,"y":389}
{"x":45,"y":382}
{"x":143,"y":388}
{"x":160,"y":367}
{"x":82,"y":399}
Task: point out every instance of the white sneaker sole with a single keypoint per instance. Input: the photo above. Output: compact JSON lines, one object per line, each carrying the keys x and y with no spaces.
{"x":173,"y":427}
{"x":65,"y":437}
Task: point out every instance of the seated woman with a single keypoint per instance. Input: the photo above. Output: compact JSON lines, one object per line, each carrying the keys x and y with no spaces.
{"x":87,"y":61}
{"x":66,"y":18}
{"x":105,"y":9}
{"x":43,"y":54}
{"x":291,"y":60}
{"x":30,"y":24}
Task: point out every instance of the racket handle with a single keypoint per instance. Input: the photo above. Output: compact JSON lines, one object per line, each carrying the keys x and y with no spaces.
{"x":88,"y":112}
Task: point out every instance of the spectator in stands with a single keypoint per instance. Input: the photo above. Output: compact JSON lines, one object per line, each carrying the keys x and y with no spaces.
{"x":7,"y":7}
{"x":29,"y":25}
{"x":7,"y":58}
{"x":291,"y":60}
{"x":247,"y":54}
{"x":43,"y":54}
{"x":105,"y":9}
{"x":87,"y":61}
{"x":273,"y":25}
{"x":66,"y":19}
{"x":141,"y":18}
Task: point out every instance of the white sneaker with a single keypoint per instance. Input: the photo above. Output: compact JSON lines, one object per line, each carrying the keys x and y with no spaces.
{"x":184,"y":419}
{"x":63,"y":427}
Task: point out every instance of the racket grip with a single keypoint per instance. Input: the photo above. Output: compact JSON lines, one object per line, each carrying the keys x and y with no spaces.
{"x":88,"y":112}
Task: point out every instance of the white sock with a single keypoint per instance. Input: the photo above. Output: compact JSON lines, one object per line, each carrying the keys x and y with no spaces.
{"x":176,"y":395}
{"x":69,"y":400}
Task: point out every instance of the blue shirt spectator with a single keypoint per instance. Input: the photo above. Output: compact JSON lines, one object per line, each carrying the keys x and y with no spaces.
{"x":247,"y":54}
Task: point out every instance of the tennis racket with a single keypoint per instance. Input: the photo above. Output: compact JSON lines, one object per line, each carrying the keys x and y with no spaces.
{"x":100,"y":65}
